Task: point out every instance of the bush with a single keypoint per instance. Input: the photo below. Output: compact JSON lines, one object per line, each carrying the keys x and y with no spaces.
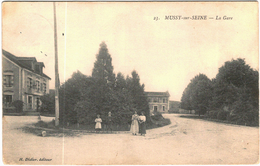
{"x":157,"y":116}
{"x":18,"y":104}
{"x":85,"y":112}
{"x":222,"y":115}
{"x":213,"y":114}
{"x":48,"y":103}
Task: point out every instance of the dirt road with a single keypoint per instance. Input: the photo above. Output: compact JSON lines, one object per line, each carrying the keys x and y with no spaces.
{"x":185,"y":141}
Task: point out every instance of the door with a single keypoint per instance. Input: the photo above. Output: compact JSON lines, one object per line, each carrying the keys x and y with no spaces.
{"x":155,"y":108}
{"x":30,"y":102}
{"x":38,"y":104}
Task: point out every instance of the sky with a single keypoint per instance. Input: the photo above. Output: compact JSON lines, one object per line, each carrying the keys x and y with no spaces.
{"x":166,"y":54}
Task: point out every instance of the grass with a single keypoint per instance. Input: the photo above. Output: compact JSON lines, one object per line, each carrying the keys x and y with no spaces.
{"x":40,"y":126}
{"x":75,"y":130}
{"x":217,"y":120}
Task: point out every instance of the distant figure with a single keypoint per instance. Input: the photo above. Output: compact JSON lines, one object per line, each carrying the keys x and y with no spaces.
{"x":98,"y":121}
{"x":134,"y":126}
{"x":142,"y":120}
{"x":109,"y":123}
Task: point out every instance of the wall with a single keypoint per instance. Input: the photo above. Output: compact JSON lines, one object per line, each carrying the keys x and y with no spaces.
{"x":159,"y":104}
{"x":7,"y":65}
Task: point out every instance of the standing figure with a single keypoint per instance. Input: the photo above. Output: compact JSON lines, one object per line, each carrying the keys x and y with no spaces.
{"x":142,"y":120}
{"x":98,"y":121}
{"x":134,"y":125}
{"x":109,"y":123}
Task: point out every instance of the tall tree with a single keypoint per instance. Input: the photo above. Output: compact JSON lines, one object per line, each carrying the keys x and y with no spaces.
{"x":198,"y":94}
{"x":103,"y":69}
{"x":137,"y":92}
{"x":234,"y":75}
{"x":70,"y":93}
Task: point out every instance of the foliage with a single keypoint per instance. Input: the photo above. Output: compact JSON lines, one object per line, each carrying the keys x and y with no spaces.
{"x":70,"y":93}
{"x":137,"y":92}
{"x":158,"y":120}
{"x":233,"y":76}
{"x":18,"y":104}
{"x":244,"y":110}
{"x":48,"y":103}
{"x":232,"y":95}
{"x":213,"y":114}
{"x":84,"y":112}
{"x":103,"y":69}
{"x":156,"y":116}
{"x":82,"y":97}
{"x":222,"y":115}
{"x":198,"y":94}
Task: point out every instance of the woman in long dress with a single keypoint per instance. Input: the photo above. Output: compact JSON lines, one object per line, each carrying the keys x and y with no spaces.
{"x":134,"y":125}
{"x":142,"y":120}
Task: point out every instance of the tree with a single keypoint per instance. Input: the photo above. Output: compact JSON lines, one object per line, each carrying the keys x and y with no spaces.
{"x":236,"y":90}
{"x":104,"y":82}
{"x":136,"y":90}
{"x":186,"y":98}
{"x":103,"y":69}
{"x":233,"y":76}
{"x":70,"y":94}
{"x":48,"y":103}
{"x":198,"y":94}
{"x":82,"y":97}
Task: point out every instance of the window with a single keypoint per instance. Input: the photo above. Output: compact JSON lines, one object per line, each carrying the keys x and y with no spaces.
{"x":7,"y":100}
{"x":37,"y":68}
{"x":44,"y":87}
{"x":155,"y":108}
{"x":38,"y":103}
{"x":38,"y":86}
{"x":163,"y":108}
{"x":155,"y":100}
{"x":30,"y":102}
{"x":29,"y":82}
{"x":41,"y":87}
{"x":8,"y":80}
{"x":164,"y":101}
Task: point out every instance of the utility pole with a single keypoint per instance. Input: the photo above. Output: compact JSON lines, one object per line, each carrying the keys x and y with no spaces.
{"x":57,"y":83}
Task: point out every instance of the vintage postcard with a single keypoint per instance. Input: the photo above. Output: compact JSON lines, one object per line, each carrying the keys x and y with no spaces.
{"x":130,"y":83}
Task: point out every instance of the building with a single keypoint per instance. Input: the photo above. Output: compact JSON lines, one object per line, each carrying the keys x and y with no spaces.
{"x":23,"y":79}
{"x":158,"y":101}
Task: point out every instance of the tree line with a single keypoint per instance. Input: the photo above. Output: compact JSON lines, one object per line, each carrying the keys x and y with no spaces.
{"x":232,"y":95}
{"x":82,"y":97}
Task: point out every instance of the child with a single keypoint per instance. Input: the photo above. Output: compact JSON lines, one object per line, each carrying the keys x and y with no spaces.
{"x":98,"y":121}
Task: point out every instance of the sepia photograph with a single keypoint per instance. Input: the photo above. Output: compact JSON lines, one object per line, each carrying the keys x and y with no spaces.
{"x":130,"y":83}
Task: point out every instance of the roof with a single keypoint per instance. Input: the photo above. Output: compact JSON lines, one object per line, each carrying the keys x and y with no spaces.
{"x":18,"y":61}
{"x":40,"y":63}
{"x":158,"y":94}
{"x":27,"y":58}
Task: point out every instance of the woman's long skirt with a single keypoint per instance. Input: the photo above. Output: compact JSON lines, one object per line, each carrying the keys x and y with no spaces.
{"x":134,"y":127}
{"x":143,"y":128}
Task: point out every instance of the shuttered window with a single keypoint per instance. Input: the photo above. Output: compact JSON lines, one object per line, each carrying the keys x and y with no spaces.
{"x":38,"y":86}
{"x":8,"y":80}
{"x":7,"y":100}
{"x":44,"y":87}
{"x":41,"y":87}
{"x":29,"y":82}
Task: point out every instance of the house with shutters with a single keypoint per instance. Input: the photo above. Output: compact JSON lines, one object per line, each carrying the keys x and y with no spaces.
{"x":24,"y":80}
{"x":158,"y":101}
